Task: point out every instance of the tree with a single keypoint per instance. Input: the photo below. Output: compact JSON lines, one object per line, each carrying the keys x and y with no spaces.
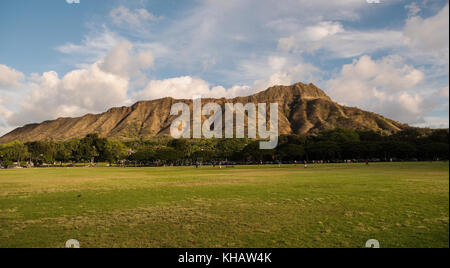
{"x":291,"y":152}
{"x":324,"y":150}
{"x":227,"y":148}
{"x":410,"y":135}
{"x":90,"y":148}
{"x":42,"y":151}
{"x":86,"y":152}
{"x":435,"y":150}
{"x":400,"y":149}
{"x":439,"y":136}
{"x":168,"y":155}
{"x":144,"y":154}
{"x":253,"y":152}
{"x":182,"y":146}
{"x":339,"y":135}
{"x":63,"y":152}
{"x":114,"y":151}
{"x":370,"y":136}
{"x":14,"y":151}
{"x":72,"y":147}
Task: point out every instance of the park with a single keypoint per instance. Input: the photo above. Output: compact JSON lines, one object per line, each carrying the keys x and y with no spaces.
{"x":400,"y":204}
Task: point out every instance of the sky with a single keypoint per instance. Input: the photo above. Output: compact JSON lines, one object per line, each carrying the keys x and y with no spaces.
{"x":60,"y":58}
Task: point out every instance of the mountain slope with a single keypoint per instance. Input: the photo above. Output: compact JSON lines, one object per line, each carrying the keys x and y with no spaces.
{"x":303,"y":109}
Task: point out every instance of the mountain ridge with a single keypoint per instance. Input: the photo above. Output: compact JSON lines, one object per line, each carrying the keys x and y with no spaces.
{"x":303,"y":109}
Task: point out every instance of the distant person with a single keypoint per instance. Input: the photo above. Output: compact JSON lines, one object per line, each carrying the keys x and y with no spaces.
{"x":306,"y":164}
{"x":367,"y":162}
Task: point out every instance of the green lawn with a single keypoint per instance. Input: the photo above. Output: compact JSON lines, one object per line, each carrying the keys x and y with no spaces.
{"x":399,"y":204}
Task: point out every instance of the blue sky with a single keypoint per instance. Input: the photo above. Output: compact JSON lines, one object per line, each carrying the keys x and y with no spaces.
{"x":59,"y":59}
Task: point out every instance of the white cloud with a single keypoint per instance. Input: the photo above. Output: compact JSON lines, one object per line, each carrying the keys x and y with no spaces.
{"x":422,"y":40}
{"x":118,"y":60}
{"x":117,"y":54}
{"x":312,"y":35}
{"x":77,"y":93}
{"x":274,"y":70}
{"x":413,"y":9}
{"x":429,"y":38}
{"x":180,"y":87}
{"x":225,"y":32}
{"x":110,"y":66}
{"x":97,"y":43}
{"x":387,"y":86}
{"x":92,"y":89}
{"x":123,"y":61}
{"x":5,"y":114}
{"x":279,"y":70}
{"x":123,"y":16}
{"x":289,"y":75}
{"x":145,"y":59}
{"x":9,"y":77}
{"x":186,"y":87}
{"x":137,"y":22}
{"x":339,"y":42}
{"x":429,"y":33}
{"x":443,"y":92}
{"x":434,"y":122}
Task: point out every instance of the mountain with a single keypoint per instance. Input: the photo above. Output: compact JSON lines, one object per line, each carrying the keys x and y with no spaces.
{"x":303,"y":109}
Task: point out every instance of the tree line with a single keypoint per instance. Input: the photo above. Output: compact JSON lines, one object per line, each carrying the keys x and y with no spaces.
{"x":335,"y":145}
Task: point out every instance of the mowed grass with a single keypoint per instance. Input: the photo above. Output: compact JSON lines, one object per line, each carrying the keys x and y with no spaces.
{"x":329,"y":205}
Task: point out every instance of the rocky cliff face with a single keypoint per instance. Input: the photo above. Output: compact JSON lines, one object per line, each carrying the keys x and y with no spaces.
{"x":303,"y":109}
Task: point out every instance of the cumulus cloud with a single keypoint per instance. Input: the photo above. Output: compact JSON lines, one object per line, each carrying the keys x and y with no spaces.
{"x":186,"y":87}
{"x":112,"y":69}
{"x":387,"y":86}
{"x":288,"y":75}
{"x":92,"y":89}
{"x":222,"y":33}
{"x":423,"y":40}
{"x":429,"y":38}
{"x":5,"y":114}
{"x":78,"y":92}
{"x":123,"y":61}
{"x":278,"y":69}
{"x":180,"y":87}
{"x":118,"y":54}
{"x":9,"y":77}
{"x":273,"y":70}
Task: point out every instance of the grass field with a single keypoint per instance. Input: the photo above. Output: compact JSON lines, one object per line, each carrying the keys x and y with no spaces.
{"x":343,"y":205}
